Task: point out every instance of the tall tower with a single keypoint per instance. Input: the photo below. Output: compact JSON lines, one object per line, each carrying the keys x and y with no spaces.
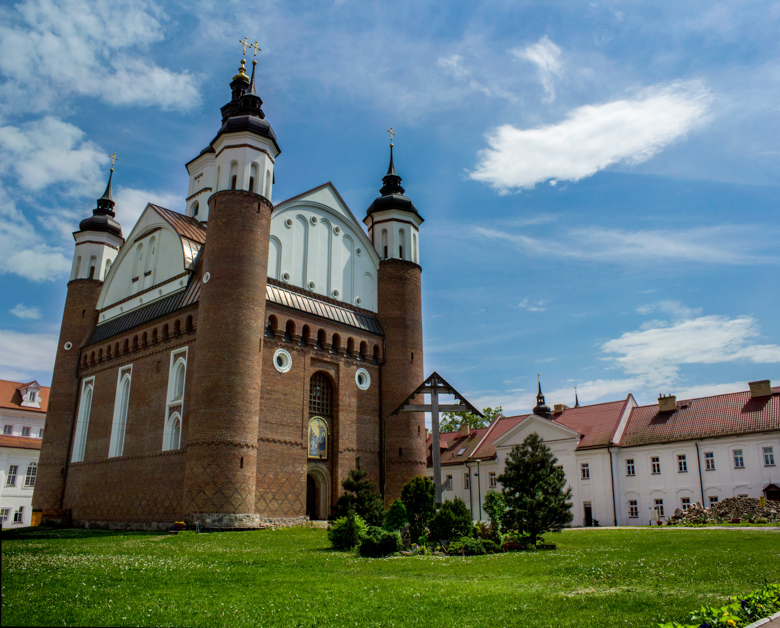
{"x":220,"y":476}
{"x":393,"y":226}
{"x":97,"y":244}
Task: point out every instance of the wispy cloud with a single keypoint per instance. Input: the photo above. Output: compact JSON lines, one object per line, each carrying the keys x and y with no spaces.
{"x":546,"y":56}
{"x":727,"y":244}
{"x":592,"y":138}
{"x":88,"y":48}
{"x":533,"y":306}
{"x":26,"y":354}
{"x":26,"y":312}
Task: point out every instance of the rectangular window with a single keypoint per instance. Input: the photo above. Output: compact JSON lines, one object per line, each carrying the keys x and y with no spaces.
{"x":630,"y":470}
{"x":682,"y":464}
{"x":709,"y":461}
{"x":713,"y":499}
{"x":633,"y":509}
{"x":4,"y":514}
{"x":448,"y":483}
{"x":11,"y":479}
{"x":655,"y":463}
{"x":492,"y":479}
{"x":466,"y":480}
{"x":686,"y":503}
{"x":116,"y":446}
{"x":19,"y":515}
{"x":769,"y":457}
{"x":9,"y":429}
{"x":659,"y":506}
{"x":25,"y":431}
{"x":32,"y":471}
{"x":739,"y":459}
{"x":585,"y":470}
{"x":40,"y":433}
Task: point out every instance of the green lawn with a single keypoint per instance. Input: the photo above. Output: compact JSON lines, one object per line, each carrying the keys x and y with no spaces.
{"x":290,"y":578}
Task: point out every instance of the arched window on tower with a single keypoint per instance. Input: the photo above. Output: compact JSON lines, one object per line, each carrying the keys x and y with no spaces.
{"x":384,"y":243}
{"x":253,"y":177}
{"x":194,"y":209}
{"x":233,"y":175}
{"x":108,"y":267}
{"x":268,"y":180}
{"x":92,"y":267}
{"x":414,"y":248}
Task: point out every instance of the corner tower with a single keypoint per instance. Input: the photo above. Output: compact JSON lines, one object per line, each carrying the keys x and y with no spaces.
{"x":393,"y":227}
{"x":97,"y":244}
{"x":221,"y":467}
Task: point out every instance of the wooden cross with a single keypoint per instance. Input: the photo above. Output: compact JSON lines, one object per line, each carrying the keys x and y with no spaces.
{"x":114,"y":158}
{"x":255,"y":47}
{"x":246,"y":44}
{"x":391,"y":132}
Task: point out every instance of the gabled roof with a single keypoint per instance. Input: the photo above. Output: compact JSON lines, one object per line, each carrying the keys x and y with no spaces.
{"x":452,"y":443}
{"x":596,"y":423}
{"x":705,"y":417}
{"x":11,"y":398}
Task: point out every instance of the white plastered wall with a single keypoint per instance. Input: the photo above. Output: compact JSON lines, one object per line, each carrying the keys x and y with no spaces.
{"x":93,"y":249}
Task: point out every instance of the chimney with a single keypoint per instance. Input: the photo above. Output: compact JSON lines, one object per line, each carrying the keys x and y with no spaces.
{"x":464,"y":429}
{"x":760,"y":389}
{"x":667,"y":403}
{"x":560,"y":407}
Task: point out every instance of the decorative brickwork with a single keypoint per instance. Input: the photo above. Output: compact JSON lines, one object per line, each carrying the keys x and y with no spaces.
{"x":400,"y":314}
{"x":78,"y":320}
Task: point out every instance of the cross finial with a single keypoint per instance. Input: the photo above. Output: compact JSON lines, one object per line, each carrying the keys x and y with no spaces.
{"x":246,"y":44}
{"x":255,"y":47}
{"x":114,"y":159}
{"x":391,"y":132}
{"x":538,"y":376}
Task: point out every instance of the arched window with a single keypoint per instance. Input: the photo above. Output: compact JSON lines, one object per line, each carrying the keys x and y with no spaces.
{"x":375,"y":358}
{"x":320,"y":395}
{"x":218,"y":183}
{"x":177,"y":328}
{"x":363,"y":350}
{"x":76,"y":268}
{"x":253,"y":177}
{"x":384,"y":243}
{"x":188,"y":326}
{"x":155,"y":339}
{"x":121,"y":405}
{"x":92,"y":267}
{"x":401,"y":237}
{"x":108,"y":267}
{"x":82,"y":422}
{"x":336,"y":346}
{"x":289,"y":331}
{"x":414,"y":248}
{"x":178,"y":380}
{"x":233,"y":181}
{"x":321,"y":340}
{"x":173,"y":433}
{"x":32,"y":471}
{"x":305,"y":335}
{"x":174,"y":408}
{"x":194,"y":209}
{"x":138,"y":267}
{"x":351,"y":347}
{"x":268,"y":180}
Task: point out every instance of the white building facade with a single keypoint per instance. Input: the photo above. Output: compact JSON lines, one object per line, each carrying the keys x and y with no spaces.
{"x":632,"y":465}
{"x":22,"y":422}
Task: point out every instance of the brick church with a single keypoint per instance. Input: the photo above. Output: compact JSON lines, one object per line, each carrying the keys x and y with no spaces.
{"x":226,"y":366}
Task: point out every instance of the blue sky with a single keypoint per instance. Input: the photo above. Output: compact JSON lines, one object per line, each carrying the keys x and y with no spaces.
{"x":599,"y":181}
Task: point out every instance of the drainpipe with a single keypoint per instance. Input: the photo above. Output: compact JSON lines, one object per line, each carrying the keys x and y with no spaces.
{"x":701,"y":482}
{"x":479,"y":489}
{"x":612,"y":485}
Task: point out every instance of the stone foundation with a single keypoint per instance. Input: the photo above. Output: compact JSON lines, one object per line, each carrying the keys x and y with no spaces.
{"x":231,"y":521}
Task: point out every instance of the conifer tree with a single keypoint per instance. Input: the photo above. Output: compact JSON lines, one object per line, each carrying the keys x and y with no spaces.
{"x":535,"y":490}
{"x":419,"y":498}
{"x":362,"y":496}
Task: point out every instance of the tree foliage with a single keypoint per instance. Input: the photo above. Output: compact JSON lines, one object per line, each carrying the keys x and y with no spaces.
{"x":451,"y":421}
{"x":396,"y":518}
{"x":452,"y":521}
{"x":535,"y":490}
{"x":494,"y":505}
{"x":347,"y":532}
{"x":419,"y":498}
{"x":362,"y":496}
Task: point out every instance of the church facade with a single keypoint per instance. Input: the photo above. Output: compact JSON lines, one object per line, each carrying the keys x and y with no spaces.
{"x":228,"y":365}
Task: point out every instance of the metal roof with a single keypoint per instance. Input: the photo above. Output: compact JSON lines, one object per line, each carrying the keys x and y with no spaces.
{"x":140,"y":316}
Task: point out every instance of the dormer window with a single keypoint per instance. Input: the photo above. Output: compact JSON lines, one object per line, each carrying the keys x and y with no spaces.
{"x":30,"y":395}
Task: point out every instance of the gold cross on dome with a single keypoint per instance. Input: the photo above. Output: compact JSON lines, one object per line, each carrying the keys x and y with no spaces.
{"x":246,"y":44}
{"x":114,"y":159}
{"x":255,"y":47}
{"x":391,"y":132}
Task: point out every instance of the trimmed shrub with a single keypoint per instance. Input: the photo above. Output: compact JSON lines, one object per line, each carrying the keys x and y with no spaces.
{"x":361,"y":496}
{"x":379,"y":542}
{"x":453,"y":521}
{"x":347,"y":532}
{"x":466,"y":546}
{"x":491,"y":547}
{"x":396,"y":518}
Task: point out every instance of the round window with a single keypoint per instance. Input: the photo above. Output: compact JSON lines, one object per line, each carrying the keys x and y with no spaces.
{"x":206,"y":277}
{"x":357,"y":301}
{"x":362,"y":379}
{"x":282,"y":360}
{"x":312,"y":285}
{"x":359,"y":251}
{"x":286,"y":277}
{"x":336,"y":230}
{"x":288,"y":223}
{"x":314,"y":220}
{"x":336,"y":293}
{"x":68,"y":346}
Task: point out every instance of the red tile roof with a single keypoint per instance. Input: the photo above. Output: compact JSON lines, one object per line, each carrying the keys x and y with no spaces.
{"x":11,"y":398}
{"x":499,"y":427}
{"x":705,"y":417}
{"x":453,"y":442}
{"x":596,"y":423}
{"x":20,"y":442}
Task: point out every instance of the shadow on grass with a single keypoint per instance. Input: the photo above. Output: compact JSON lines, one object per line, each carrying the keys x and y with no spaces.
{"x":45,"y":532}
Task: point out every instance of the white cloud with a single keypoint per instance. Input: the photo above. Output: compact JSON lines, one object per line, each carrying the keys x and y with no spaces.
{"x":91,"y":48}
{"x":26,"y":354}
{"x":546,"y":56}
{"x":49,"y":151}
{"x":709,"y":390}
{"x":26,"y":312}
{"x":676,"y":309}
{"x":131,"y":202}
{"x":592,"y":138}
{"x":532,"y":306}
{"x":726,"y":244}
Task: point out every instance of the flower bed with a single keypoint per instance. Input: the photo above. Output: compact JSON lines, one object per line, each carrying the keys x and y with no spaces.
{"x":742,"y":611}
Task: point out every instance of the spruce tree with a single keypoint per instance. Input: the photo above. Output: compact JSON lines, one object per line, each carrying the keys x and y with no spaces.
{"x":362,"y":496}
{"x":419,"y":498}
{"x":535,"y":490}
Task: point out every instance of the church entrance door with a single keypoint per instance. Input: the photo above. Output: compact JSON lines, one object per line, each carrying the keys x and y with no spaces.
{"x":311,"y":497}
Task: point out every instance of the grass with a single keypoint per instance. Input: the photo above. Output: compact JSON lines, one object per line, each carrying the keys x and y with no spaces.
{"x":289,"y":577}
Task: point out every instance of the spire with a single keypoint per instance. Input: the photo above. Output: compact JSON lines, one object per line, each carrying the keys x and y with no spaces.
{"x":541,"y":408}
{"x":576,"y":399}
{"x":391,"y":181}
{"x":252,"y":80}
{"x":103,"y":216}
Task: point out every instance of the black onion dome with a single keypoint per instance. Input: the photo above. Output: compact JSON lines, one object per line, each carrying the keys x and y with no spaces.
{"x":244,"y":111}
{"x":103,"y":218}
{"x":392,"y":193}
